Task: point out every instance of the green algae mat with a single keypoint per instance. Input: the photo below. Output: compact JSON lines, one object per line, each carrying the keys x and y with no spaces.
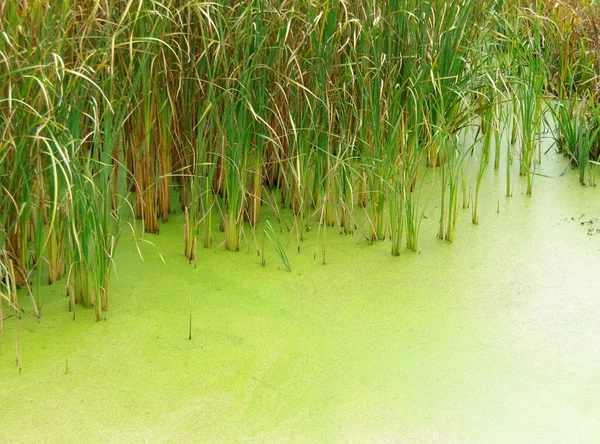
{"x":491,"y":339}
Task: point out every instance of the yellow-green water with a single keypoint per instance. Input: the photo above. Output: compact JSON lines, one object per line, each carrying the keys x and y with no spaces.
{"x":495,"y":338}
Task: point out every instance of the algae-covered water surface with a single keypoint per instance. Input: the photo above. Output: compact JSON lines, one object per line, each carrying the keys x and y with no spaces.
{"x":491,"y":339}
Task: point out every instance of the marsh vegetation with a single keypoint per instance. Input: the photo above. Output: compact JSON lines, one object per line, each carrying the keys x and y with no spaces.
{"x":114,"y":111}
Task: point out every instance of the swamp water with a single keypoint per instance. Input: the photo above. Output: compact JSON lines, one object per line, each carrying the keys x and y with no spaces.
{"x":494,"y":338}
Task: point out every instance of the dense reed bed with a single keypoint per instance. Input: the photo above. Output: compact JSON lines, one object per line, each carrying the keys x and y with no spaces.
{"x":109,"y":108}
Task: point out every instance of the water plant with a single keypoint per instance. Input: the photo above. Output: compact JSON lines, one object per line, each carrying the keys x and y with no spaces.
{"x":576,"y":133}
{"x":279,"y":248}
{"x":329,"y":112}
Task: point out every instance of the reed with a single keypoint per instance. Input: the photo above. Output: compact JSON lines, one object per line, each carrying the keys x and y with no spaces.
{"x":328,"y":109}
{"x":576,"y":132}
{"x":279,"y":248}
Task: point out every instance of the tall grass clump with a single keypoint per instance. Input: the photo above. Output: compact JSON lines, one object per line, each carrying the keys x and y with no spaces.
{"x":59,"y":215}
{"x":329,"y":112}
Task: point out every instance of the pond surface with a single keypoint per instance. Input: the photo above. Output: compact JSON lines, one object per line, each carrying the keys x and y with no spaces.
{"x":495,"y":338}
